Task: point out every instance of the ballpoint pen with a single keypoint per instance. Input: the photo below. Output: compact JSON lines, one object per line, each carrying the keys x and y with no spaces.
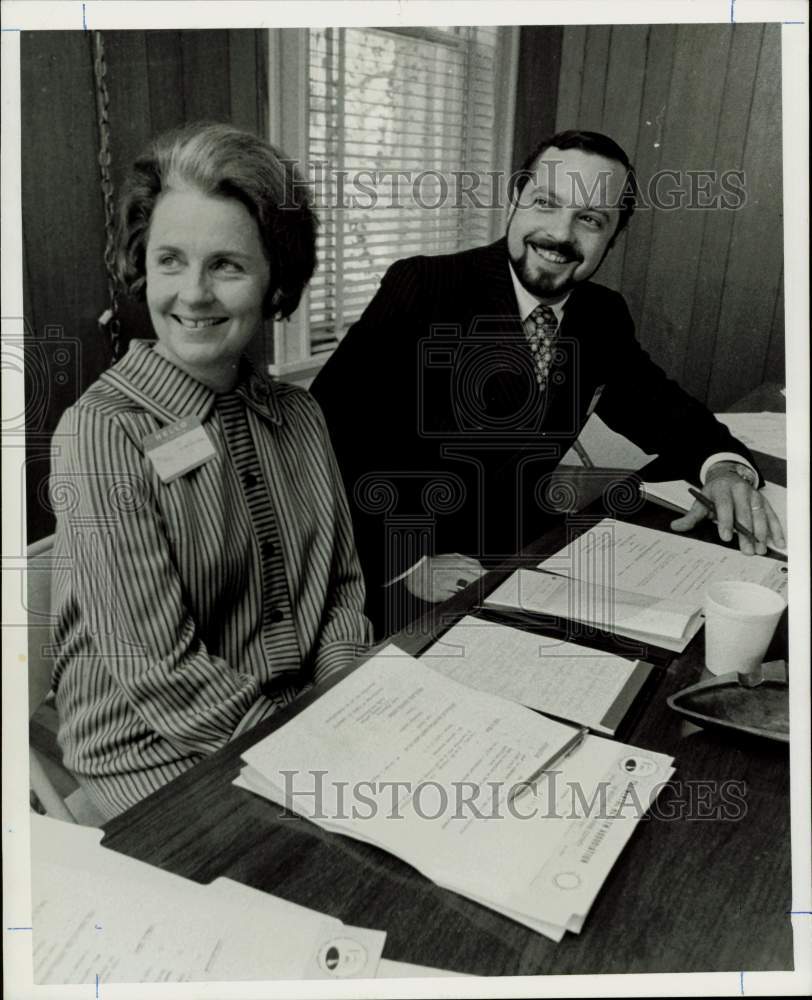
{"x":568,"y":748}
{"x":711,"y":509}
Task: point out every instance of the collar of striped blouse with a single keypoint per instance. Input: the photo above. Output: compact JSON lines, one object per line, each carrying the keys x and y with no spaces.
{"x":170,"y":394}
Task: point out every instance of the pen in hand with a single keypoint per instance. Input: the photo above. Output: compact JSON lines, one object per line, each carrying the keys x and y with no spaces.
{"x":711,"y":509}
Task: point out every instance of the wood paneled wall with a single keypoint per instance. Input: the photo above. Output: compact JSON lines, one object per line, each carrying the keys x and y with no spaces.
{"x":156,"y":80}
{"x":537,"y":79}
{"x":704,"y":285}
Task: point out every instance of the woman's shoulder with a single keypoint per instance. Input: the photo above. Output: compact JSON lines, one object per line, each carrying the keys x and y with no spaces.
{"x":104,"y":413}
{"x":296,"y":401}
{"x":99,"y":402}
{"x":142,"y":391}
{"x":301,"y":414}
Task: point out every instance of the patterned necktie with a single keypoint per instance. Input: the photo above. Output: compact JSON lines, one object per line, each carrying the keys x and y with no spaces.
{"x":541,"y":334}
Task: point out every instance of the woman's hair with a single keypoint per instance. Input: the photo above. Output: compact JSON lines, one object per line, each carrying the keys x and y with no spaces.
{"x":222,"y":161}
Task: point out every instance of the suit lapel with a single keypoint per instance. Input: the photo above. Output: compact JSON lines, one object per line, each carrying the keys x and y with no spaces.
{"x":495,"y":311}
{"x":493,"y":288}
{"x":496,"y":330}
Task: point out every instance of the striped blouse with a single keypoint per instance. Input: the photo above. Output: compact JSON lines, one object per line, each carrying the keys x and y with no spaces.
{"x":187,"y":611}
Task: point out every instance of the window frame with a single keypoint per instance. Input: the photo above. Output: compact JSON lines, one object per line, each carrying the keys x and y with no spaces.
{"x":288,"y":128}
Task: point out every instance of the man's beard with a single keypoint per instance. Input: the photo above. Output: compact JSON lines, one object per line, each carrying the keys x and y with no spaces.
{"x":543,"y":284}
{"x":539,"y":283}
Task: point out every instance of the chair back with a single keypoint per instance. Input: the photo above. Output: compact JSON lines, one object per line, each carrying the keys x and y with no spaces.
{"x":44,"y":766}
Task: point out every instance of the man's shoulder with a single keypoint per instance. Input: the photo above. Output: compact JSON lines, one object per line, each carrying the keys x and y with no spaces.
{"x":428,"y":282}
{"x":589,"y":296}
{"x":458,"y":262}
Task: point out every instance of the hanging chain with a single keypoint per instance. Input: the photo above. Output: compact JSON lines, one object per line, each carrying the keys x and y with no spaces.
{"x":108,"y":320}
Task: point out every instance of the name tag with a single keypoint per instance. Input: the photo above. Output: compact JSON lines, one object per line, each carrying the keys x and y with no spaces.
{"x":596,"y":395}
{"x":179,"y":448}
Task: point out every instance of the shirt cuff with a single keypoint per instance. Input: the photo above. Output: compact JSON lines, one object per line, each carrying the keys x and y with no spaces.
{"x":334,"y":656}
{"x":724,"y":456}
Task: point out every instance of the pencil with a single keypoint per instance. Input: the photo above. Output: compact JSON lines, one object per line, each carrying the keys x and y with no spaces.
{"x":569,"y":747}
{"x":711,"y":509}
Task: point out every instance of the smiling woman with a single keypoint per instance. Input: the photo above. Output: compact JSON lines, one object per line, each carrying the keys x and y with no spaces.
{"x":210,"y":569}
{"x":207,"y":276}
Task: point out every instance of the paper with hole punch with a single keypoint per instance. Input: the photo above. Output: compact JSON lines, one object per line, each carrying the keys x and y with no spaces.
{"x":426,"y":769}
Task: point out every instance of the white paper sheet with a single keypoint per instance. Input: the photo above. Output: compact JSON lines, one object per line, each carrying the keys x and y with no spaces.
{"x":765,"y":432}
{"x":100,"y":914}
{"x":606,"y":448}
{"x":675,"y":493}
{"x":644,"y":616}
{"x":658,"y":563}
{"x":561,"y":678}
{"x":395,"y":719}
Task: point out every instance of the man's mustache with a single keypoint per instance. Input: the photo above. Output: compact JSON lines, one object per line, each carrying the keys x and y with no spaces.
{"x":566,"y":249}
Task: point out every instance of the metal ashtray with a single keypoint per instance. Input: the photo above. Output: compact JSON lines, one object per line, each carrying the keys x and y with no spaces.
{"x":735,"y":702}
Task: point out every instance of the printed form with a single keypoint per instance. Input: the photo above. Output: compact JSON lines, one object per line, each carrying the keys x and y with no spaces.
{"x":659,"y":563}
{"x":96,"y":913}
{"x":456,"y":755}
{"x":666,"y":572}
{"x":573,"y":682}
{"x":645,"y":617}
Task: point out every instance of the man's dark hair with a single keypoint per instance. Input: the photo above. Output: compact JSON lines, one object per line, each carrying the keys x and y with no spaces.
{"x":589,"y":142}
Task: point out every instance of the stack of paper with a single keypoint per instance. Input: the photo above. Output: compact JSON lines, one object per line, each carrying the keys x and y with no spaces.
{"x":675,"y":494}
{"x":448,"y":779}
{"x":100,"y":917}
{"x":637,"y":582}
{"x":642,"y":616}
{"x":560,"y":678}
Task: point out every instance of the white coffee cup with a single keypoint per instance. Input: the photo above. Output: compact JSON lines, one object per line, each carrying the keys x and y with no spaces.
{"x":740,"y":620}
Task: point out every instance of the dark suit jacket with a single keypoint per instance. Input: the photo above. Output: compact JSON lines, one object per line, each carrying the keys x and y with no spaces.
{"x":443,"y":439}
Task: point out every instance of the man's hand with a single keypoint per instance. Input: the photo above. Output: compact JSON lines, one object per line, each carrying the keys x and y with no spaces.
{"x":438,"y":577}
{"x":735,"y":499}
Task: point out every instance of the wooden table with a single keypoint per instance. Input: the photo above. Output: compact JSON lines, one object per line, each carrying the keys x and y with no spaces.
{"x":706,"y":890}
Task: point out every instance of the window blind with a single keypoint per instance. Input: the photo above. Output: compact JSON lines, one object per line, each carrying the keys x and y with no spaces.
{"x":400,"y":143}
